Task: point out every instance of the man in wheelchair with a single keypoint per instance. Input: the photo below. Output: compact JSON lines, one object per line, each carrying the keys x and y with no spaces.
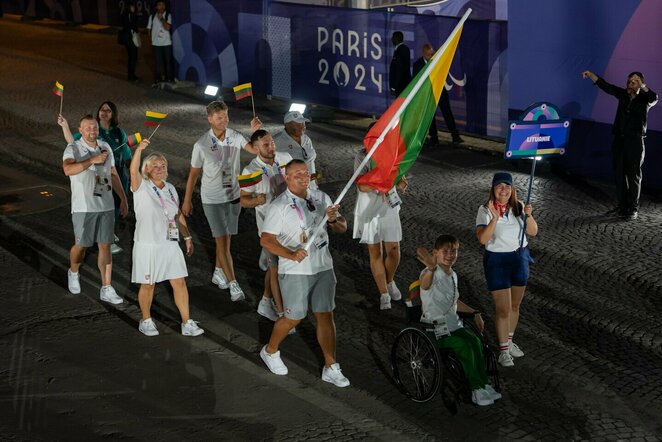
{"x":440,"y":306}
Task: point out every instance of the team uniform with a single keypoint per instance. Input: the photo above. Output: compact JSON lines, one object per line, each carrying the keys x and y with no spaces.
{"x":219,"y":160}
{"x":376,"y":215}
{"x":304,"y":151}
{"x":504,"y":263}
{"x":311,"y":281}
{"x":156,"y":253}
{"x":271,"y":185}
{"x":91,"y":195}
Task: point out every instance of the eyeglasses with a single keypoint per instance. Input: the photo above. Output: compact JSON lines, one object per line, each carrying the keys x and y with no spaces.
{"x":310,"y":205}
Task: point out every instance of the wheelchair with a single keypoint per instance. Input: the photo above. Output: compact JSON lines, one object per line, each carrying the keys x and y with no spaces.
{"x":421,"y":369}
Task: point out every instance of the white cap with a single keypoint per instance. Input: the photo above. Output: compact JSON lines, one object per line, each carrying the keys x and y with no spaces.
{"x":295,"y":116}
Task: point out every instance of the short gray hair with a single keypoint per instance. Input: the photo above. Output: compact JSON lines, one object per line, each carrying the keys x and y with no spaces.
{"x":155,"y":156}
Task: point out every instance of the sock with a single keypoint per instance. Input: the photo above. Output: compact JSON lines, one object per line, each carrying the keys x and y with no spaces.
{"x":504,"y":347}
{"x":510,"y":338}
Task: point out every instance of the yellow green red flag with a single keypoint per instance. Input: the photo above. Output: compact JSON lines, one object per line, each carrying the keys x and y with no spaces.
{"x":154,"y":118}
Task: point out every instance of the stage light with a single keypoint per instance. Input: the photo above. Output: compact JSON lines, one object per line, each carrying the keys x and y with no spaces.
{"x":299,"y":107}
{"x":211,"y":90}
{"x":538,"y":158}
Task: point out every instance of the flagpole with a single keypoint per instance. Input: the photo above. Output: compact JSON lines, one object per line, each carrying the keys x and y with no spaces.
{"x":61,"y":102}
{"x":528,"y":199}
{"x":422,"y":79}
{"x":253,"y":102}
{"x":157,"y":128}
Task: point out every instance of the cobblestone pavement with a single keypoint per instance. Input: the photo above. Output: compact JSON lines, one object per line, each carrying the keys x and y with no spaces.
{"x":589,"y":324}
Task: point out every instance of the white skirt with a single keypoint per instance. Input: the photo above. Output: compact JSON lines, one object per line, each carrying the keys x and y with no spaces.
{"x":154,"y":263}
{"x":378,"y":229}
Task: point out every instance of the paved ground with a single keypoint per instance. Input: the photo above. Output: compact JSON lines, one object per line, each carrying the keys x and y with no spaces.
{"x":73,"y":368}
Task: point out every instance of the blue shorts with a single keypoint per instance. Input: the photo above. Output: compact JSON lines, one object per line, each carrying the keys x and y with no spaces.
{"x":506,"y":269}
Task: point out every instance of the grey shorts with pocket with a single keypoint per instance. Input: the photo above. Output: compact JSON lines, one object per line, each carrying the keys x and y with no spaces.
{"x":223,"y":218}
{"x":298,"y":291}
{"x":93,"y":227}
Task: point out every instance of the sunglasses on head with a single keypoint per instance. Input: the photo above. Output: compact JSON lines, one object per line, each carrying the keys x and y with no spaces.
{"x":310,"y":205}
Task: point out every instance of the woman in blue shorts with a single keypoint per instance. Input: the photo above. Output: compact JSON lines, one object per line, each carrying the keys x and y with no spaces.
{"x":499,"y":225}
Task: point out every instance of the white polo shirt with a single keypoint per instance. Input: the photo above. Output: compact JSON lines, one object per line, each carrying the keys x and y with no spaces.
{"x":272,"y":184}
{"x":154,"y":208}
{"x":82,"y":184}
{"x":287,"y":216}
{"x":439,"y":302}
{"x":160,"y":36}
{"x":508,"y":231}
{"x":219,"y":160}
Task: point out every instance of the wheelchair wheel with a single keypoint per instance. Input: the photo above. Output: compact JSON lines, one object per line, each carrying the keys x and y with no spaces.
{"x":416,"y":365}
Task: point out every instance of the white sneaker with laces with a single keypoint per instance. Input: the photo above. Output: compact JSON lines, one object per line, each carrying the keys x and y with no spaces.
{"x":115,"y":249}
{"x":147,"y":327}
{"x":266,"y":308}
{"x":505,"y":359}
{"x":108,"y":294}
{"x":73,"y":280}
{"x":191,"y":328}
{"x":236,"y":293}
{"x":515,"y":351}
{"x":219,"y":279}
{"x":495,"y":395}
{"x":274,"y":362}
{"x":333,"y":374}
{"x":481,"y":397}
{"x":385,"y":302}
{"x":394,"y":291}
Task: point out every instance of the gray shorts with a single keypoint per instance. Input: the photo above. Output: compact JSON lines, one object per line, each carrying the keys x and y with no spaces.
{"x":318,"y":290}
{"x":93,"y":227}
{"x":223,"y":218}
{"x":267,"y":260}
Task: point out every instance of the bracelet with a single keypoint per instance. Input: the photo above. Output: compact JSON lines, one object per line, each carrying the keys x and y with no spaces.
{"x":186,"y":238}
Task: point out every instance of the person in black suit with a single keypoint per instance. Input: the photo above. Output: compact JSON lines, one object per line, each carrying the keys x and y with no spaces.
{"x":129,"y":27}
{"x":444,"y":101}
{"x":629,"y":129}
{"x":399,"y":74}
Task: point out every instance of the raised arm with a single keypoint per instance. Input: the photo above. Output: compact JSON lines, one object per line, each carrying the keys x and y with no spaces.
{"x":134,"y":169}
{"x":68,"y":137}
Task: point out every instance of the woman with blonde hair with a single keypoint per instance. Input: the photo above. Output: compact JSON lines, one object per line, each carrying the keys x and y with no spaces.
{"x":156,"y":253}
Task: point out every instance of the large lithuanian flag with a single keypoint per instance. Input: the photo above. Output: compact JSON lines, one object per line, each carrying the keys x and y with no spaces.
{"x":404,"y":125}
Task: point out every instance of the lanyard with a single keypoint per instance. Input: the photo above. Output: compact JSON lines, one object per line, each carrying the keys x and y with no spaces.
{"x":215,"y":148}
{"x":163,"y":206}
{"x":295,"y":206}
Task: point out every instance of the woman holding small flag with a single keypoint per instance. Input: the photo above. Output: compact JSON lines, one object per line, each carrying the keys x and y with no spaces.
{"x":109,"y":131}
{"x":156,"y":253}
{"x":499,"y":227}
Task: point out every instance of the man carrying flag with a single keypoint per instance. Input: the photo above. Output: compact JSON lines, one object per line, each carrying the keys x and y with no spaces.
{"x":216,"y":156}
{"x":262,"y":180}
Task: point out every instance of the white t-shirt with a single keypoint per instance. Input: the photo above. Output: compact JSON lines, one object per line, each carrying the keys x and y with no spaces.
{"x":439,"y":302}
{"x":272,"y":184}
{"x":219,"y":160}
{"x":83,"y":184}
{"x":153,"y":208}
{"x":160,"y":36}
{"x":373,"y":204}
{"x":304,"y":152}
{"x":508,"y":231}
{"x":287,"y":216}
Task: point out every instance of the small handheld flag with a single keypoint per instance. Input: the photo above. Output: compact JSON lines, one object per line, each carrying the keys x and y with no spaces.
{"x":250,"y":179}
{"x":134,"y":139}
{"x":242,"y":91}
{"x":58,"y":89}
{"x":154,"y":118}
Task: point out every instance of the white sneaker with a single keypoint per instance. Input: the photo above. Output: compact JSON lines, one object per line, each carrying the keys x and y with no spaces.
{"x":394,"y":291}
{"x":108,"y":294}
{"x":333,"y":374}
{"x":273,"y":361}
{"x":495,"y":395}
{"x":236,"y":293}
{"x":266,"y":308}
{"x":219,"y":279}
{"x":73,"y":280}
{"x":515,"y":351}
{"x":115,"y":238}
{"x":147,"y":327}
{"x":190,"y":328}
{"x":115,"y":249}
{"x":385,"y":302}
{"x":481,"y":397}
{"x":505,"y":359}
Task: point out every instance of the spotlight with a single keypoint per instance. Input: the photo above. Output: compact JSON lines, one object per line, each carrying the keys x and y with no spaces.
{"x":211,"y":90}
{"x":299,"y":107}
{"x":538,"y":158}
